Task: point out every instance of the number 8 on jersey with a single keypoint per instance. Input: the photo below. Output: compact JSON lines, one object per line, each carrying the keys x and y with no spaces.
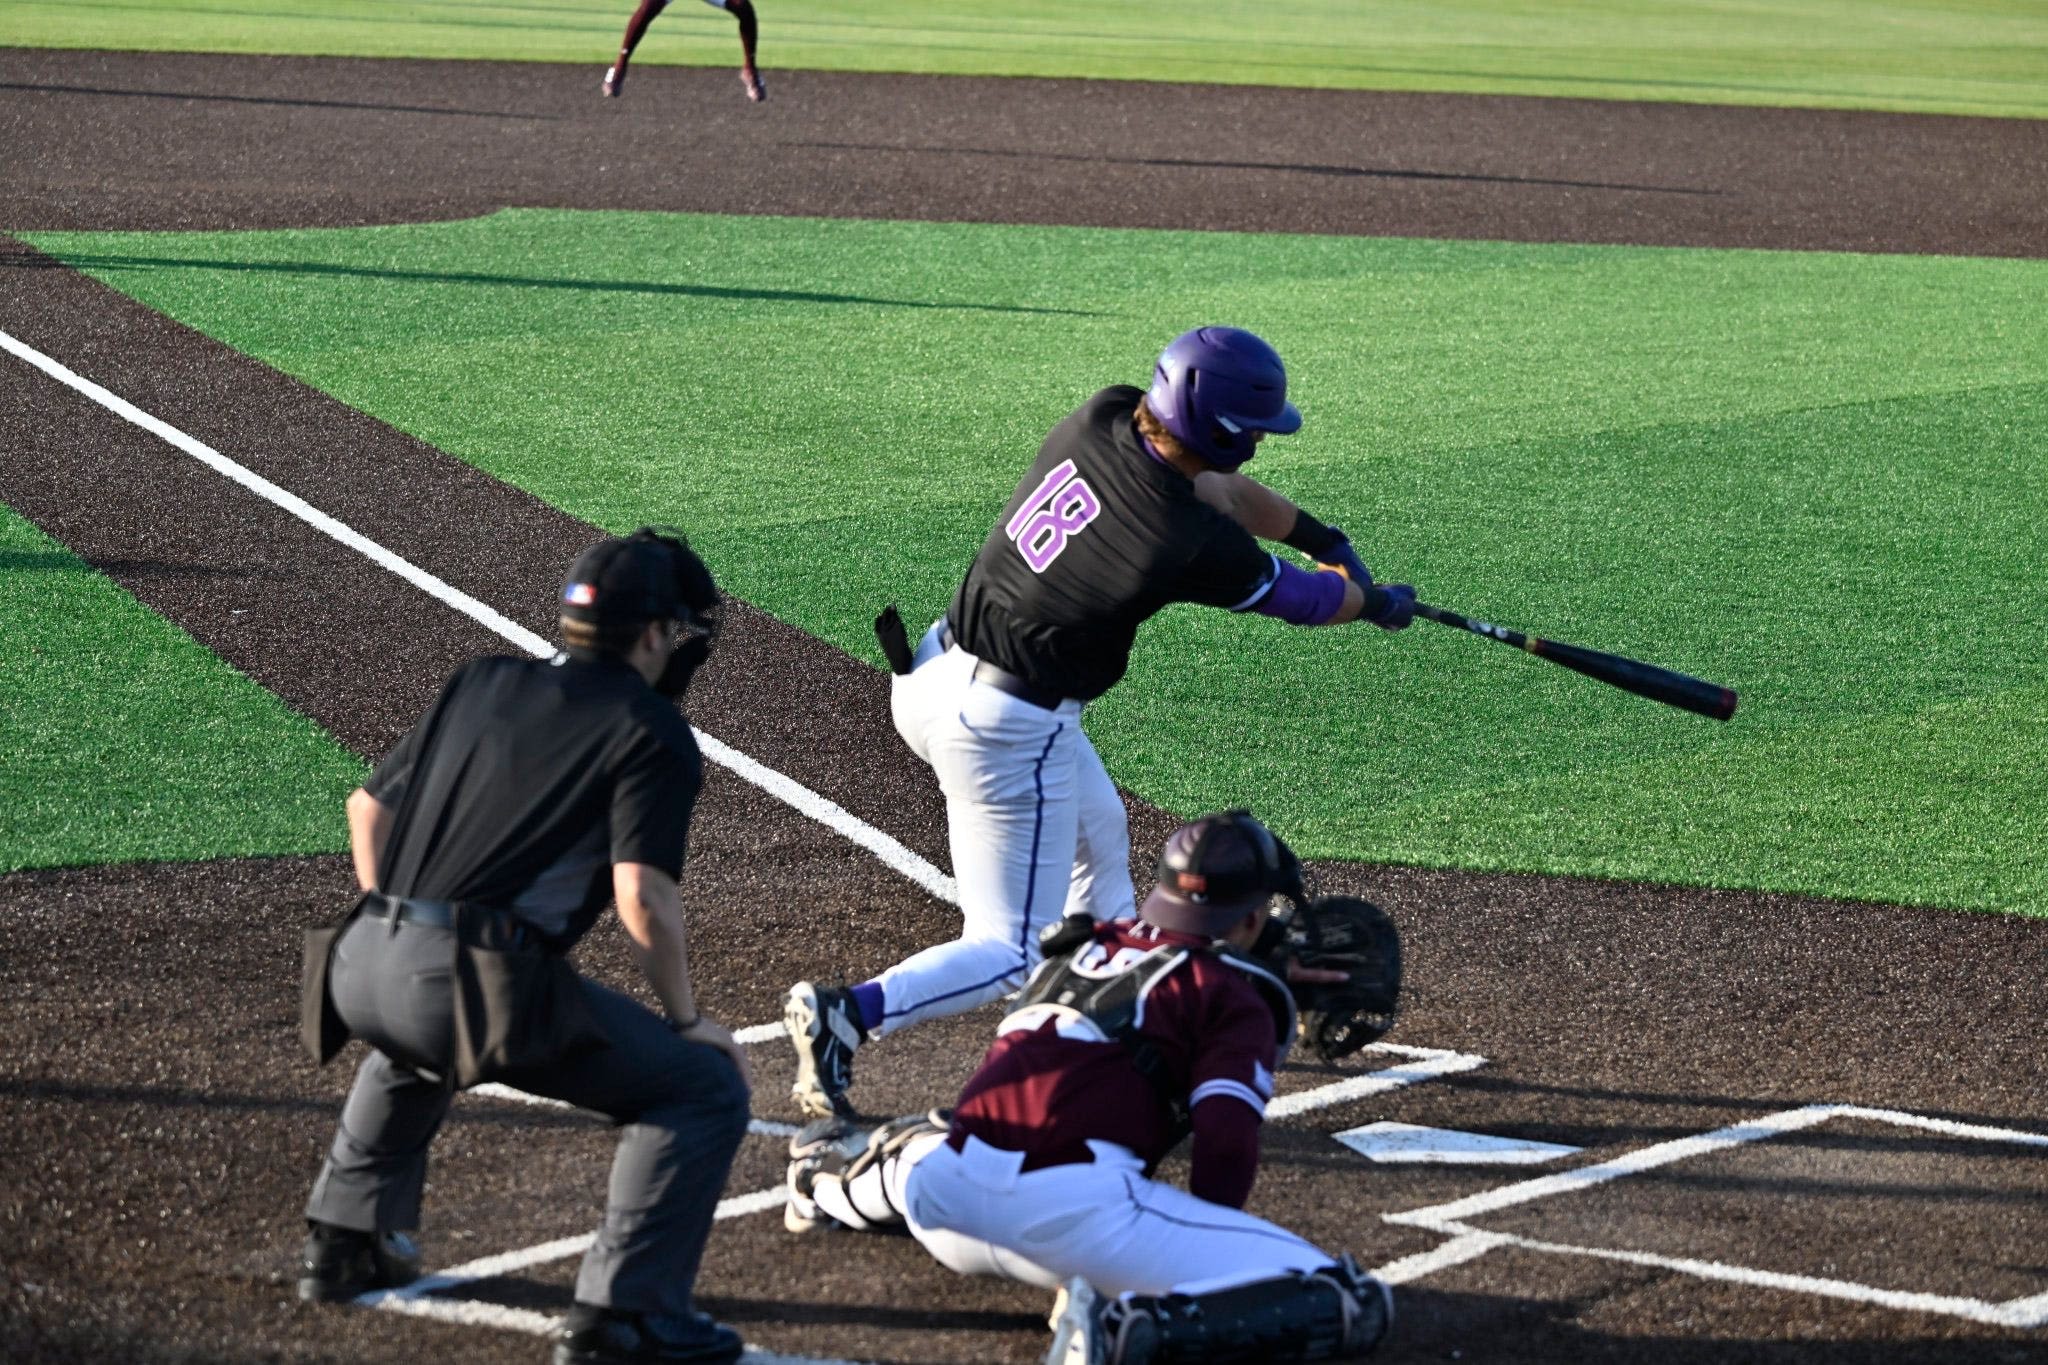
{"x":1062,"y":506}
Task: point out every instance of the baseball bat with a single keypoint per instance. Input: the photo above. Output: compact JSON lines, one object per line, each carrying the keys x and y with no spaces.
{"x":1630,"y":675}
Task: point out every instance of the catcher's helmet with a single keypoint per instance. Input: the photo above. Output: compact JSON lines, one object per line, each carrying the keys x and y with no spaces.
{"x":1216,"y":871}
{"x":1213,"y":386}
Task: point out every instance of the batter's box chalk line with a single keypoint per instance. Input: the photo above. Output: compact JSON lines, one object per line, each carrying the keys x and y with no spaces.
{"x":1467,"y":1241}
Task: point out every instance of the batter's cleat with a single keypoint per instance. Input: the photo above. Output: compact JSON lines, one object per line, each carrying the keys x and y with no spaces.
{"x":338,"y":1264}
{"x":614,"y":81}
{"x":824,"y":1026}
{"x":591,"y":1335}
{"x":757,"y":89}
{"x":1089,"y":1328}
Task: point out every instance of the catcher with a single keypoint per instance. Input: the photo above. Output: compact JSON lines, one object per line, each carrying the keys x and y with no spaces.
{"x":1042,"y":1173}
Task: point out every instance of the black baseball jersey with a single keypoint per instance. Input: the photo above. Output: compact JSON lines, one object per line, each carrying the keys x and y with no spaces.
{"x":527,"y":779}
{"x":1097,"y":538}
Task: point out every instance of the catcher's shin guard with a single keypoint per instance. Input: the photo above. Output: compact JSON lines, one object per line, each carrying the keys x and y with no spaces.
{"x":1334,"y":1313}
{"x":849,"y":1176}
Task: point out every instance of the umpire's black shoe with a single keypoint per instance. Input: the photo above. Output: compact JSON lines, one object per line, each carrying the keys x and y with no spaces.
{"x":339,"y":1263}
{"x":592,"y":1335}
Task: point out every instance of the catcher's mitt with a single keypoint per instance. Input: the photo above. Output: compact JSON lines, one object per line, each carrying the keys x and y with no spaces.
{"x":1345,"y":934}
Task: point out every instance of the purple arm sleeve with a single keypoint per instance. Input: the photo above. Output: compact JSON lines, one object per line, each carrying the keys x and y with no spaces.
{"x":1302,"y":598}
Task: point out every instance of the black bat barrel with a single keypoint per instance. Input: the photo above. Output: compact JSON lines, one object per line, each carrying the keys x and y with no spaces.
{"x":1631,"y":675}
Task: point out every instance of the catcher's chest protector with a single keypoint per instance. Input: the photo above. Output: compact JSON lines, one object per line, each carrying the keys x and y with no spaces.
{"x":1096,"y":995}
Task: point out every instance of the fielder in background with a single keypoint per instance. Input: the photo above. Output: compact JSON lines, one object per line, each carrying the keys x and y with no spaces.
{"x":486,"y":844}
{"x":636,"y":29}
{"x":1134,"y":502}
{"x":1043,"y":1171}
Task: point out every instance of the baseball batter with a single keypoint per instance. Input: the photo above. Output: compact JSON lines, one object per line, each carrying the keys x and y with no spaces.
{"x":1043,"y":1172}
{"x":1135,"y":501}
{"x":636,"y":29}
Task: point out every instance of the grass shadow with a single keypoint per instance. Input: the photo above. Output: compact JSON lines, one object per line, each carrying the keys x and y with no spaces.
{"x":1291,"y":168}
{"x":208,"y":97}
{"x":93,"y":261}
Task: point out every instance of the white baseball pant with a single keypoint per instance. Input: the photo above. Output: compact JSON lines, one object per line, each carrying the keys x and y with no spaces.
{"x":1035,"y":825}
{"x":979,"y":1213}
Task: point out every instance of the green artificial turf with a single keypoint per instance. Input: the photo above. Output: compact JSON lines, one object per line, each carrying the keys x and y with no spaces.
{"x":1932,"y":56}
{"x":1816,"y":478}
{"x":122,"y":738}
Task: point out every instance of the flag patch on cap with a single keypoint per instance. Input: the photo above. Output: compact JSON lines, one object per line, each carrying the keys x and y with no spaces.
{"x":580,"y":594}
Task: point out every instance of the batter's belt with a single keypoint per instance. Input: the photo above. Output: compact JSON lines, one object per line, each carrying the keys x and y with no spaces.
{"x":1002,"y":680}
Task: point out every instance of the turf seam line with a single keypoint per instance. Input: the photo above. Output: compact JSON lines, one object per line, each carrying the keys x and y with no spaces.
{"x":784,"y":788}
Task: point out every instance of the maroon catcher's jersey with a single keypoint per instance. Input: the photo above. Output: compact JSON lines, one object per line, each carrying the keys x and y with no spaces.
{"x":1046,"y":1093}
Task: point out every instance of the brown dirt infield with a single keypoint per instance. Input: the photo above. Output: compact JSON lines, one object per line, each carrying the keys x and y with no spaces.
{"x":160,"y":1127}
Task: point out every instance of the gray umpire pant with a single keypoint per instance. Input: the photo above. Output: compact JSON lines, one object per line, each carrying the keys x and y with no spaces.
{"x":682,"y":1105}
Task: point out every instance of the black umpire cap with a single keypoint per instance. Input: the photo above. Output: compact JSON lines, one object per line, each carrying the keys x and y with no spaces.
{"x":617,"y":586}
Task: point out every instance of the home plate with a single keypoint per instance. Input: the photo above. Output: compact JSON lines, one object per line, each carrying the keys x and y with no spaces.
{"x":1399,"y":1142}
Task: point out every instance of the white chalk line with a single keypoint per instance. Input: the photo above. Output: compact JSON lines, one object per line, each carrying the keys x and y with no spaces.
{"x":2018,"y":1313}
{"x":784,"y":788}
{"x":493,"y":1091}
{"x":504,"y":1317}
{"x":1457,"y":1251}
{"x":413,"y":1298}
{"x":1467,"y":1242}
{"x":1434,"y":1063}
{"x":1649,"y":1158}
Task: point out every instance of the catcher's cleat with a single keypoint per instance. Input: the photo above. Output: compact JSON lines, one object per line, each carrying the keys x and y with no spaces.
{"x":592,"y":1335}
{"x":757,"y":89}
{"x":824,"y":1026}
{"x":820,"y":1146}
{"x":337,"y":1264}
{"x":1091,"y":1329}
{"x":614,"y":81}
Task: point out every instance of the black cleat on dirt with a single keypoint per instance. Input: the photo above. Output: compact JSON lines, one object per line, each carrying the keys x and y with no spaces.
{"x":614,"y":81}
{"x":824,"y":1027}
{"x":337,"y":1264}
{"x":591,"y":1335}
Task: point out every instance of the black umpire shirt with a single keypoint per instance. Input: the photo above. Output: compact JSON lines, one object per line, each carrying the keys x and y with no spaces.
{"x":527,"y":779}
{"x":1098,"y":538}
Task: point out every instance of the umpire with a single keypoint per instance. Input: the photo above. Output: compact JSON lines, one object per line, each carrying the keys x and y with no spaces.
{"x":486,"y":844}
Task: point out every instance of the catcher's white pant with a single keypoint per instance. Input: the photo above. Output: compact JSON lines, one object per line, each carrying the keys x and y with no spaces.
{"x":1036,"y":828}
{"x":977,"y":1212}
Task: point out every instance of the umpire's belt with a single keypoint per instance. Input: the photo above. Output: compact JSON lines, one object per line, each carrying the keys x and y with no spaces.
{"x":503,"y":926}
{"x":1002,"y":680}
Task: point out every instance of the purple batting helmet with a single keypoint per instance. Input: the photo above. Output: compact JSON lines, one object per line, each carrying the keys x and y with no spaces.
{"x":1215,"y":872}
{"x":1215,"y":384}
